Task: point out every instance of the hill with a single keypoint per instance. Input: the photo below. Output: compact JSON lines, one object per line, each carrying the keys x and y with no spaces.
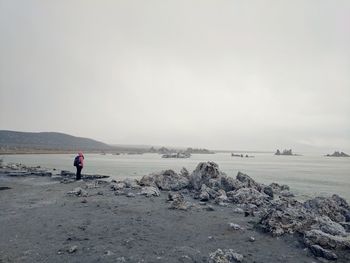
{"x":48,"y":141}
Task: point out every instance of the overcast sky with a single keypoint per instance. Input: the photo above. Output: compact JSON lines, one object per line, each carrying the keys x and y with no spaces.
{"x":218,"y":74}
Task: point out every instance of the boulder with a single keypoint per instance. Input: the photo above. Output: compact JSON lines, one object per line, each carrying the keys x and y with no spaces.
{"x":150,"y":191}
{"x":222,"y":198}
{"x":166,"y":180}
{"x":319,"y":251}
{"x":212,"y":193}
{"x":325,"y":240}
{"x":248,"y":182}
{"x":248,"y":196}
{"x":268,"y":190}
{"x":214,"y":183}
{"x":335,"y":207}
{"x":184,"y":173}
{"x":345,"y":225}
{"x":177,"y":201}
{"x":204,"y":196}
{"x":287,"y":216}
{"x":131,"y":183}
{"x":328,"y":226}
{"x":224,"y":256}
{"x":229,"y":184}
{"x":203,"y":173}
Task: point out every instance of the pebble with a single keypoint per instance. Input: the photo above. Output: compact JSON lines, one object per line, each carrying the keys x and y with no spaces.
{"x":209,"y":208}
{"x":238,"y":210}
{"x":72,"y":249}
{"x":235,"y":226}
{"x":130,"y":195}
{"x":252,"y":239}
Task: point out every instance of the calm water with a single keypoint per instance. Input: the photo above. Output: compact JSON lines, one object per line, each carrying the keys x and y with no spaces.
{"x":307,"y":175}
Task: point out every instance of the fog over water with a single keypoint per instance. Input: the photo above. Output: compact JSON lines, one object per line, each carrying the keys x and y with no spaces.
{"x":253,"y":75}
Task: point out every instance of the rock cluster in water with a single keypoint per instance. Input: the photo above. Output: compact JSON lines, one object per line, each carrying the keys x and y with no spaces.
{"x":285,"y":152}
{"x":338,"y":154}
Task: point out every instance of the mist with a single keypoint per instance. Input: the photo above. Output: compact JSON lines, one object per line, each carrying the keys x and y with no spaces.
{"x":217,"y":74}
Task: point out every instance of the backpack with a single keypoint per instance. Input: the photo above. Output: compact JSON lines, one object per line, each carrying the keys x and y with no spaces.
{"x":76,"y":161}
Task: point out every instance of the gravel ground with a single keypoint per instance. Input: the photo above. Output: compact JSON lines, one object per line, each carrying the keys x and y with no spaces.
{"x":39,"y":222}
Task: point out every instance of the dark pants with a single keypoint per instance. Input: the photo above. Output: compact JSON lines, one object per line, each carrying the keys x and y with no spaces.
{"x":78,"y":174}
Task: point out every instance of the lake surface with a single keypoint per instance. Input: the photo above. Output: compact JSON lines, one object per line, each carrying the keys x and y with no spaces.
{"x":307,"y":175}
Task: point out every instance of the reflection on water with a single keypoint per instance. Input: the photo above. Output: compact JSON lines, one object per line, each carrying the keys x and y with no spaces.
{"x":306,"y":175}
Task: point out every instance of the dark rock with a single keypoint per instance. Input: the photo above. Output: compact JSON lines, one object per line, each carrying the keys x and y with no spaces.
{"x":318,"y":237}
{"x":319,"y":251}
{"x":328,"y":226}
{"x":287,"y":216}
{"x":285,"y":152}
{"x":247,"y":181}
{"x":338,"y":154}
{"x":229,"y":184}
{"x":204,"y":196}
{"x":184,"y":173}
{"x":209,"y":208}
{"x":93,"y":176}
{"x":345,"y":225}
{"x":67,"y":173}
{"x":335,"y":207}
{"x":268,"y":190}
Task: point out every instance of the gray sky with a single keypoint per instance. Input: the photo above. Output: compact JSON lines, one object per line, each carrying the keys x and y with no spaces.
{"x":218,"y":74}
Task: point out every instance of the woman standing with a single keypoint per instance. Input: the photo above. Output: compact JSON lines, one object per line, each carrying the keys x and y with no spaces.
{"x":79,"y":164}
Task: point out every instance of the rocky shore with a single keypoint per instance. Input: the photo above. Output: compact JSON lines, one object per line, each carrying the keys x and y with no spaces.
{"x":199,"y":216}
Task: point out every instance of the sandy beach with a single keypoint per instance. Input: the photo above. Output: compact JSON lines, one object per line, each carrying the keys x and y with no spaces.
{"x":45,"y":220}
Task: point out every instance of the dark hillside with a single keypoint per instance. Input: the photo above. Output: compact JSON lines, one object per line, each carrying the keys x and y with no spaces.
{"x":48,"y":141}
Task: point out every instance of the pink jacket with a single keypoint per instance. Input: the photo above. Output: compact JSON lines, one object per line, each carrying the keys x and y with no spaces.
{"x":81,"y":159}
